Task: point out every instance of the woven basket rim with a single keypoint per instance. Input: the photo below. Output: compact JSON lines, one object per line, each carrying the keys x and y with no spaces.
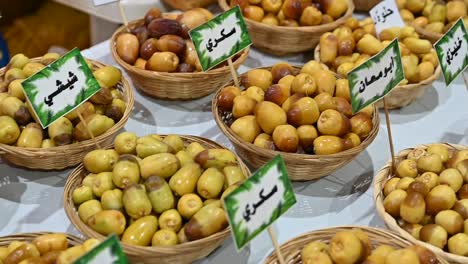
{"x":301,"y":29}
{"x":129,"y":99}
{"x":430,"y":79}
{"x":233,"y":137}
{"x":379,"y":182}
{"x":322,"y":234}
{"x":154,"y":74}
{"x":72,"y":239}
{"x":71,"y":210}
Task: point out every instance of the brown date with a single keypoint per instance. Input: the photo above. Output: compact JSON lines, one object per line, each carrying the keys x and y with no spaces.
{"x":185,"y":67}
{"x":148,"y":48}
{"x":153,"y":13}
{"x":172,"y":43}
{"x":163,"y":26}
{"x":292,"y":9}
{"x":141,"y":33}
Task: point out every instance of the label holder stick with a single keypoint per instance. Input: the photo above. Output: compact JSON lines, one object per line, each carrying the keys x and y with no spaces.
{"x":122,"y":14}
{"x":88,"y":130}
{"x":465,"y":79}
{"x":272,"y":234}
{"x":390,"y":138}
{"x":233,"y":72}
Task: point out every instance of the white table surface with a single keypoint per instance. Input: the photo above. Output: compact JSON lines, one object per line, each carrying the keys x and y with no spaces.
{"x":32,"y":201}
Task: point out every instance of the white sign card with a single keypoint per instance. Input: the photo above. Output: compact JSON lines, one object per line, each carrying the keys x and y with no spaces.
{"x":386,"y":15}
{"x":60,"y":87}
{"x":220,"y":38}
{"x":259,"y":201}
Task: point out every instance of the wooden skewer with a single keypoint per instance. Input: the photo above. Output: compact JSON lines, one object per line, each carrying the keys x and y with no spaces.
{"x":276,"y":245}
{"x":389,"y":131}
{"x":233,"y":73}
{"x":122,"y":14}
{"x":88,"y":130}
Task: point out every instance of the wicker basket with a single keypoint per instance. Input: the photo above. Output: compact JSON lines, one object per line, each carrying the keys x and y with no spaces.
{"x":365,"y":5}
{"x":291,"y":250}
{"x":29,"y":237}
{"x":379,"y":183}
{"x":175,"y":86}
{"x":188,"y":4}
{"x":301,"y":167}
{"x":53,"y":158}
{"x":401,"y":95}
{"x":183,"y":253}
{"x":281,"y":41}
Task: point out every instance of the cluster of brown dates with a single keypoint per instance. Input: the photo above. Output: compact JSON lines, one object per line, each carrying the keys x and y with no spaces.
{"x":160,"y":42}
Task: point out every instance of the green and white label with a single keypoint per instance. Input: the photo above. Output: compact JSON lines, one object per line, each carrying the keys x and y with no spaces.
{"x":220,"y":38}
{"x":60,"y":87}
{"x":375,"y":78}
{"x":259,"y":201}
{"x":386,"y":15}
{"x":109,"y":251}
{"x":452,"y":51}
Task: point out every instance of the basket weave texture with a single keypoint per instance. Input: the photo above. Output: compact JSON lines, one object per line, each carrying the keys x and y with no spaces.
{"x":291,"y":250}
{"x":53,"y":158}
{"x":174,"y":86}
{"x":301,"y":167}
{"x":182,"y":253}
{"x":28,"y":237}
{"x":402,"y":95}
{"x":188,"y":4}
{"x":280,"y":41}
{"x":381,"y":178}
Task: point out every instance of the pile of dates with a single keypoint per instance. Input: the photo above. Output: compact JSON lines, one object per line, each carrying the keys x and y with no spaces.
{"x":355,"y":42}
{"x":292,"y":13}
{"x":47,"y":248}
{"x":429,"y":197}
{"x":354,"y":246}
{"x":434,"y":16}
{"x":306,"y":112}
{"x":161,"y":42}
{"x":155,"y":191}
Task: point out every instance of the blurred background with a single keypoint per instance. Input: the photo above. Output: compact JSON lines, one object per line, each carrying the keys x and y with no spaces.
{"x":35,"y":27}
{"x":32,"y":27}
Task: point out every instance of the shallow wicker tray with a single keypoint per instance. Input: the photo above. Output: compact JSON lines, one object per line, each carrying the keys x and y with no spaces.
{"x":301,"y":167}
{"x":281,"y":41}
{"x":291,"y":250}
{"x":28,"y":237}
{"x":381,"y":178}
{"x":174,"y":86}
{"x":188,"y":4}
{"x":53,"y":158}
{"x":402,"y":95}
{"x":365,"y":5}
{"x":182,"y":253}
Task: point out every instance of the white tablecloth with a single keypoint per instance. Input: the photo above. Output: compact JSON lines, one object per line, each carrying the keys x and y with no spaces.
{"x":32,"y":201}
